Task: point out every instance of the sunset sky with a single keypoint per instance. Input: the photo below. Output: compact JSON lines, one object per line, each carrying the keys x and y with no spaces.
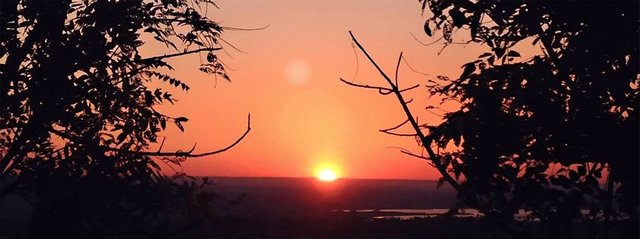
{"x":303,"y":117}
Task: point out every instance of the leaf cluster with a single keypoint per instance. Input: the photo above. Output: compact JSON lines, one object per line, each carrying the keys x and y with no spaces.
{"x":78,"y":115}
{"x":542,"y":134}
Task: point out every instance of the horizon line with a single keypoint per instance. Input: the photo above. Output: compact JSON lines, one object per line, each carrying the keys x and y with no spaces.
{"x":294,"y":177}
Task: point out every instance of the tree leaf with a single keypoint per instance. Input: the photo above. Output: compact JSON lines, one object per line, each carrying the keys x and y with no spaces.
{"x":211,"y":57}
{"x":468,"y":69}
{"x":179,"y":126}
{"x":181,"y":119}
{"x":458,"y":17}
{"x":513,"y":54}
{"x":486,"y":54}
{"x":427,"y":30}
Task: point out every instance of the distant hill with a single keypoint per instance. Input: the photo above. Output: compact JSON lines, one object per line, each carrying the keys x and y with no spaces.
{"x":307,"y":196}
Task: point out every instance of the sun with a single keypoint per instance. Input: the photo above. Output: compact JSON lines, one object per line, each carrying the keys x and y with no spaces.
{"x":327,"y":175}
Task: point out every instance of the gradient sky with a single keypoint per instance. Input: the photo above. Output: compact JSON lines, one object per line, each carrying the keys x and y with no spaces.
{"x":303,"y":117}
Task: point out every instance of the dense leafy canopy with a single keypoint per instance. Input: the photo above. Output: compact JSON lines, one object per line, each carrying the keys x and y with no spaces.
{"x":550,"y":134}
{"x":77,"y":111}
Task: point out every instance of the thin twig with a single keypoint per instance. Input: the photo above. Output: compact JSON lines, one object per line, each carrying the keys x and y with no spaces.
{"x":415,"y":155}
{"x":245,"y":29}
{"x":161,"y":144}
{"x":179,"y":54}
{"x":410,"y":88}
{"x":367,"y":86}
{"x":355,"y":53}
{"x":232,"y":46}
{"x":390,"y":130}
{"x":399,"y":134}
{"x":398,"y":68}
{"x":411,"y":68}
{"x":397,"y":126}
{"x":426,"y":44}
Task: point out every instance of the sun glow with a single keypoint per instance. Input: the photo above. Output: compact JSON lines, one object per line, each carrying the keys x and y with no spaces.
{"x":327,"y":175}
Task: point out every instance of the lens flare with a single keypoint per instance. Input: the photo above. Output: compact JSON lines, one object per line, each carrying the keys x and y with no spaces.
{"x":297,"y":72}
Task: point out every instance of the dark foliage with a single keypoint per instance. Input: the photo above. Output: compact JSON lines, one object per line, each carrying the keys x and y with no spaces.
{"x":541,"y":133}
{"x":551,"y":134}
{"x":77,"y":114}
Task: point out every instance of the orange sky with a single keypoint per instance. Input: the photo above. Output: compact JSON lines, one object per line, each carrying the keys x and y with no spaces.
{"x":302,"y":116}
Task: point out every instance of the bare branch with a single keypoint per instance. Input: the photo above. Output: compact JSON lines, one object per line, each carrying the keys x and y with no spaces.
{"x":162,"y":144}
{"x":411,"y":68}
{"x":385,"y":92}
{"x":415,"y":155}
{"x":403,"y":90}
{"x":398,"y":68}
{"x":381,"y":89}
{"x":390,"y":130}
{"x":189,"y":153}
{"x":410,"y":88}
{"x":434,"y":113}
{"x":398,"y":134}
{"x":397,"y":126}
{"x":231,"y":45}
{"x":179,"y":54}
{"x":426,"y":141}
{"x":426,"y":44}
{"x":245,"y":29}
{"x":409,"y":101}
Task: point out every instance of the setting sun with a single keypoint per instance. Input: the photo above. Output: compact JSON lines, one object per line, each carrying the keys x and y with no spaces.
{"x":327,"y":175}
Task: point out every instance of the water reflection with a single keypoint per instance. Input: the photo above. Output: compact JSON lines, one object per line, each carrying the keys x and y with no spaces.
{"x":408,"y":214}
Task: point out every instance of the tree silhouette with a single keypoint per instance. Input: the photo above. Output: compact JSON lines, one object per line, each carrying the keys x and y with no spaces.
{"x":77,"y":115}
{"x":552,"y":134}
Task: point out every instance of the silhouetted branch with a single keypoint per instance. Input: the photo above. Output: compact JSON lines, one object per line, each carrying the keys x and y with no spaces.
{"x":410,"y":88}
{"x":426,"y":141}
{"x":381,"y":90}
{"x":390,"y":130}
{"x":397,"y":126}
{"x":426,"y":44}
{"x":368,"y":86}
{"x":245,"y":29}
{"x":231,"y":45}
{"x":398,"y":68}
{"x":162,"y":144}
{"x":411,"y":68}
{"x":189,"y":153}
{"x":415,"y":155}
{"x":398,"y":134}
{"x":434,"y":113}
{"x":155,"y":58}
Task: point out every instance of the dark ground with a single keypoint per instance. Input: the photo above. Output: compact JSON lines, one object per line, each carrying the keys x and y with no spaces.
{"x":281,"y":208}
{"x":305,"y":208}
